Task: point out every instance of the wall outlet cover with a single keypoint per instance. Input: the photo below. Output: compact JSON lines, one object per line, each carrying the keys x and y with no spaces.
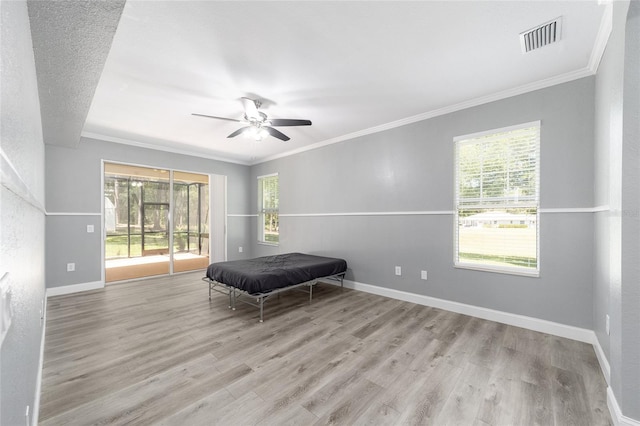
{"x":423,"y":275}
{"x":398,"y":270}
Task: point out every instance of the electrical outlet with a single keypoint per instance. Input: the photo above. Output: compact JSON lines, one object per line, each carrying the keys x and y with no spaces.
{"x":398,"y":270}
{"x":423,"y":275}
{"x":90,"y":228}
{"x":239,"y":249}
{"x":71,"y":267}
{"x":607,"y":324}
{"x":42,"y":312}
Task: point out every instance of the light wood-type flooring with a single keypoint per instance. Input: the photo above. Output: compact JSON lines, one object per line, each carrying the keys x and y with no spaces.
{"x":158,"y":351}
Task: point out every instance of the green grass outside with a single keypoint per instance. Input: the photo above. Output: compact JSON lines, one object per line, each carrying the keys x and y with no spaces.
{"x":270,"y":237}
{"x":116,"y":245}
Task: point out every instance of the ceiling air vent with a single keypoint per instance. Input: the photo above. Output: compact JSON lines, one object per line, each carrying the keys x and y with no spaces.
{"x":541,"y":35}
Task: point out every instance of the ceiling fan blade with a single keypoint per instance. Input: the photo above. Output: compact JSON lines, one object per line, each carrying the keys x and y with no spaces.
{"x":289,"y":122}
{"x":276,"y":133}
{"x":217,"y":118}
{"x":250,"y":108}
{"x":237,"y":132}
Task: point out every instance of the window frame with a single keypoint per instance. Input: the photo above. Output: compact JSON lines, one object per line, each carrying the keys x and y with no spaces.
{"x":262,"y":211}
{"x":533,"y":204}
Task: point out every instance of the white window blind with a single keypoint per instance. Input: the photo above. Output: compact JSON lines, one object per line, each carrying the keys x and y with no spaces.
{"x":497,"y":184}
{"x":268,"y":213}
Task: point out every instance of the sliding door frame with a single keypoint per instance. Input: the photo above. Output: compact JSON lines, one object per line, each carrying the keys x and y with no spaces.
{"x":214,"y":199}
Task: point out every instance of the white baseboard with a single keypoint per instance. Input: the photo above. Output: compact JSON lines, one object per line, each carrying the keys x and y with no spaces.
{"x":602,"y":359}
{"x":616,"y":414}
{"x":74,"y":288}
{"x":535,"y":324}
{"x":36,"y":403}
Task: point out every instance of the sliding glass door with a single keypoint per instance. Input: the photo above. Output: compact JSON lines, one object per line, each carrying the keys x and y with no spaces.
{"x":138,"y":210}
{"x":191,"y":224}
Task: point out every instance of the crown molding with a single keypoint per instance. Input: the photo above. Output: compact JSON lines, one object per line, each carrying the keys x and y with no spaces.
{"x":541,"y":84}
{"x":124,"y":141}
{"x":602,"y":38}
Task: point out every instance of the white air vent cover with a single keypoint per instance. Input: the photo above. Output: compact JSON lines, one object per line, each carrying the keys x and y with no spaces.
{"x":541,"y":35}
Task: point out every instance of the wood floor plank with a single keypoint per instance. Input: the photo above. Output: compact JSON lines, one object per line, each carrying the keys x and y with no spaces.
{"x":351,"y":402}
{"x":158,"y":351}
{"x":387,"y":372}
{"x":431,"y":396}
{"x":461,"y":407}
{"x":400,"y":394}
{"x":537,"y":405}
{"x":218,"y":409}
{"x":116,"y":407}
{"x":283,"y":374}
{"x":378,"y":414}
{"x":204,"y":411}
{"x":501,"y":402}
{"x":305,"y":375}
{"x":570,"y":403}
{"x":292,"y":415}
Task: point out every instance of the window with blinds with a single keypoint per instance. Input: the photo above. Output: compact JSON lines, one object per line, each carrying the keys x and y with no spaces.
{"x":497,"y":195}
{"x":268,"y":200}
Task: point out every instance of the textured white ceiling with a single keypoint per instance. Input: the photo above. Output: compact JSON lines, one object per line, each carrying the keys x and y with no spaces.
{"x":347,"y":66}
{"x":71,"y":40}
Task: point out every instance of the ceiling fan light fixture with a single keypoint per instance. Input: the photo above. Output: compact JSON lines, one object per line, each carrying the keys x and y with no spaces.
{"x":255,"y":132}
{"x":250,"y":132}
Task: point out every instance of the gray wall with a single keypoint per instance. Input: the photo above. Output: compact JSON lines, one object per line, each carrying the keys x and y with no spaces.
{"x":411,"y":168}
{"x":628,"y":390}
{"x":73,"y":185}
{"x":608,"y":178}
{"x":21,"y":215}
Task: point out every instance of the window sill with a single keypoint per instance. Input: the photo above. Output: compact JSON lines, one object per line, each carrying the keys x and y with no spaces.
{"x":262,"y":243}
{"x":498,"y":270}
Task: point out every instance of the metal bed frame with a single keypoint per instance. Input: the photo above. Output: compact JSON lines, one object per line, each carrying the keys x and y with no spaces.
{"x":238,"y":295}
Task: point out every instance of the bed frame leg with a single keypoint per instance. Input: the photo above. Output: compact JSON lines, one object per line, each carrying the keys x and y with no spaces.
{"x":209,"y":290}
{"x":261,"y":307}
{"x":233,"y":301}
{"x":310,"y":292}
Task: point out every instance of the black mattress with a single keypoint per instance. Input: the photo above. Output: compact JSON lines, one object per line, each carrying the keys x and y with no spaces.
{"x":264,"y":274}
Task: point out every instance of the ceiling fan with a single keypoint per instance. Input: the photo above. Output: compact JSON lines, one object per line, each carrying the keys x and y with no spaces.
{"x":259,"y":125}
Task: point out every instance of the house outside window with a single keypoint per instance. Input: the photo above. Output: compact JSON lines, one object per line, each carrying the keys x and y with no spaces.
{"x":497,"y":196}
{"x":268,"y":201}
